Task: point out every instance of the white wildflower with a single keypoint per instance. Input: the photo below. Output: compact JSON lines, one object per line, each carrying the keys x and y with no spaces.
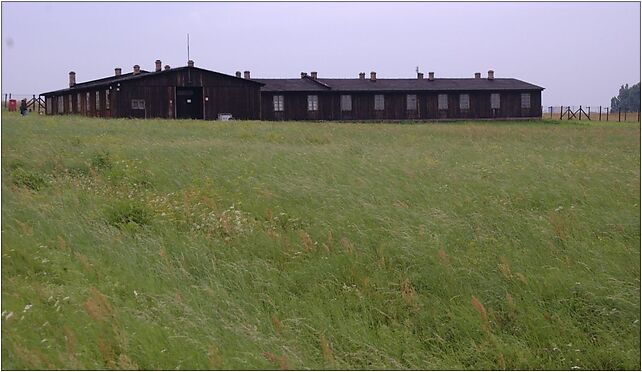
{"x":27,"y":307}
{"x":8,"y":315}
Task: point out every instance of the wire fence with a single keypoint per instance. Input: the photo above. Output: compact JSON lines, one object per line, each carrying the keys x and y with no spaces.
{"x":589,"y":113}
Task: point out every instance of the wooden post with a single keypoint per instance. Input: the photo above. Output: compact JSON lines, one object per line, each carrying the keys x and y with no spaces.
{"x":561,"y":112}
{"x":619,"y":114}
{"x":589,"y":112}
{"x":625,"y":114}
{"x":580,"y":112}
{"x":550,"y":109}
{"x":607,"y":114}
{"x":600,"y":113}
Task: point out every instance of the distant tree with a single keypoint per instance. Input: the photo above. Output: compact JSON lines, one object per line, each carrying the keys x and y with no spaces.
{"x":628,"y":99}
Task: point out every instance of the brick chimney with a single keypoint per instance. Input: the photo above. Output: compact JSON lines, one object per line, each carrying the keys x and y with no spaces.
{"x":373,"y":76}
{"x":362,"y":76}
{"x":167,"y":67}
{"x":238,"y":74}
{"x":158,"y":65}
{"x":190,"y":63}
{"x":246,"y":75}
{"x":420,"y":75}
{"x":72,"y":79}
{"x":313,"y":75}
{"x":491,"y":74}
{"x":431,"y":76}
{"x":477,"y":75}
{"x":304,"y":74}
{"x":136,"y":69}
{"x":118,"y":71}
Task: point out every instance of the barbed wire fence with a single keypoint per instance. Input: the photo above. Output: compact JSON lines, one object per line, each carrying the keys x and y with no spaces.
{"x":34,"y":102}
{"x":589,"y":113}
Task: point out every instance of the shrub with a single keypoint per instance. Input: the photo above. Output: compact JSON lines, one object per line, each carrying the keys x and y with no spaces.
{"x":28,"y":179}
{"x":101,"y":161}
{"x":126,"y":213}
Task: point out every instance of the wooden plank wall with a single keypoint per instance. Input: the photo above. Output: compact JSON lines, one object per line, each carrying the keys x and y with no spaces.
{"x":296,"y":106}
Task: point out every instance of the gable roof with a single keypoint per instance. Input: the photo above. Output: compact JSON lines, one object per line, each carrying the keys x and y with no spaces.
{"x":365,"y":85}
{"x":131,"y":76}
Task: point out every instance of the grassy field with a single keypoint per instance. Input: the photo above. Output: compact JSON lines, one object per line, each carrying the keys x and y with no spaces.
{"x":204,"y":245}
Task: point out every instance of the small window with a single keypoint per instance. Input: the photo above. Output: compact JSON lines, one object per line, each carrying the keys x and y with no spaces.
{"x":313,"y":103}
{"x":346,"y":102}
{"x":107,"y":99}
{"x":442,"y":102}
{"x":411,"y":102}
{"x":494,"y":101}
{"x":97,"y":101}
{"x":379,"y":102}
{"x":87,"y":101}
{"x":71,"y":104}
{"x":138,"y":104}
{"x":278,"y":103}
{"x":526,"y":100}
{"x":78,"y":103}
{"x":61,"y":104}
{"x":464,"y":101}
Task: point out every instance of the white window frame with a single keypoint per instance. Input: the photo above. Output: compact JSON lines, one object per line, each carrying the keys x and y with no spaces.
{"x":442,"y":102}
{"x":346,"y":102}
{"x":278,"y":102}
{"x":379,"y":102}
{"x":464,"y":101}
{"x":138,"y":104}
{"x":411,"y":102}
{"x":526,"y":100}
{"x":495,"y":101}
{"x":313,"y":103}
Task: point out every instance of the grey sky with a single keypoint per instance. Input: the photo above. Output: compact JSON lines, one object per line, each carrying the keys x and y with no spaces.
{"x":580,"y":52}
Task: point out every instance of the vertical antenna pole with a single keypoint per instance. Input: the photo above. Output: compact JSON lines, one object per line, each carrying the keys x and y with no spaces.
{"x":188,"y":47}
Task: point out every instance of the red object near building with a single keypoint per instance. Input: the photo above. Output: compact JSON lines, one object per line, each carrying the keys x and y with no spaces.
{"x":12,"y":105}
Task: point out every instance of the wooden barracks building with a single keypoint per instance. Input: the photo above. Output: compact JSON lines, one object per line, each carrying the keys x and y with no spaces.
{"x":194,"y":93}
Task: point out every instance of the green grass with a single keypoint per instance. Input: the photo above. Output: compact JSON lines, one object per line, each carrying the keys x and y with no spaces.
{"x":246,"y":245}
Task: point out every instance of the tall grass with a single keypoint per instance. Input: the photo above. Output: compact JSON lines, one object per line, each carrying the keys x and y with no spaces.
{"x":246,"y":245}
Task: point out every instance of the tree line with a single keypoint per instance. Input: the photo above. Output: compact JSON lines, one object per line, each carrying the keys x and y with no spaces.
{"x":628,"y":99}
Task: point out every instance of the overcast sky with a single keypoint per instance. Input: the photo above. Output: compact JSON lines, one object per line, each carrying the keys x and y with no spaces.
{"x":580,"y":52}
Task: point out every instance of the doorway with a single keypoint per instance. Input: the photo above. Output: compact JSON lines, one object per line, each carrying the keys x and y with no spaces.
{"x":189,"y":103}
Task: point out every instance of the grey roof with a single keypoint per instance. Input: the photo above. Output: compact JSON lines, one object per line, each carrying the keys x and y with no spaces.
{"x":307,"y":84}
{"x":130,"y":76}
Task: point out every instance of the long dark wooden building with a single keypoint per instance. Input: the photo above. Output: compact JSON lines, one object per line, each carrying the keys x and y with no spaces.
{"x":314,"y":98}
{"x":194,"y":93}
{"x":173,"y":93}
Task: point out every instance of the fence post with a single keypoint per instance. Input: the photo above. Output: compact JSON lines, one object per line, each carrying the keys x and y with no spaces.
{"x":607,"y":114}
{"x":561,"y":112}
{"x":581,"y":112}
{"x":625,"y":114}
{"x":619,"y":114}
{"x":589,"y":112}
{"x":600,"y":113}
